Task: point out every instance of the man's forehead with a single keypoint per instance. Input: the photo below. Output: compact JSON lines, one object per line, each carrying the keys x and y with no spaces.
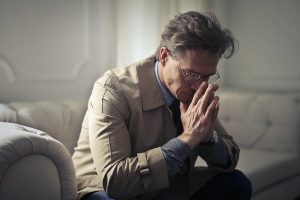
{"x":199,"y":61}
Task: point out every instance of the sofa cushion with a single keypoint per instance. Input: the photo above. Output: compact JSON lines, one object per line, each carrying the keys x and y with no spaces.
{"x":266,"y":168}
{"x":261,"y":121}
{"x":60,"y":119}
{"x":7,"y":114}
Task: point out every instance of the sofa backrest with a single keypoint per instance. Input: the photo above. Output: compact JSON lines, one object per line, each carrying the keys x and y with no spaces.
{"x":262,"y":121}
{"x":255,"y":120}
{"x":60,"y":119}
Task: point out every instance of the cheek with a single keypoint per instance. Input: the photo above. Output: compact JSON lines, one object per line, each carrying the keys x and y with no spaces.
{"x":172,"y":81}
{"x":176,"y":86}
{"x":183,"y":92}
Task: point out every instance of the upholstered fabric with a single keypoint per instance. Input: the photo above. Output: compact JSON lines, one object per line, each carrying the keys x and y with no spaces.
{"x":262,"y":121}
{"x":32,"y":171}
{"x":7,"y":114}
{"x":285,"y":190}
{"x":19,"y":145}
{"x":61,"y":119}
{"x":265,"y":168}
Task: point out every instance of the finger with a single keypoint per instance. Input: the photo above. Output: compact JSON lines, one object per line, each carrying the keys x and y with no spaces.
{"x":212,"y":96}
{"x":211,"y":108}
{"x":206,"y":98}
{"x":216,"y":111}
{"x":214,"y":117}
{"x":218,"y":104}
{"x":214,"y":89}
{"x":199,"y":92}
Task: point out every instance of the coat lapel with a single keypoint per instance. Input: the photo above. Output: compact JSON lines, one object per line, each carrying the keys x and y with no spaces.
{"x":151,"y":94}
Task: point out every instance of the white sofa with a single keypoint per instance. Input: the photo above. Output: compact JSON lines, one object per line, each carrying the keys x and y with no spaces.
{"x":34,"y":166}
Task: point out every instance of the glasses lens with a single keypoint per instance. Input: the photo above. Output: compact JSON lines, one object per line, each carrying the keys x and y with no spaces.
{"x":191,"y":77}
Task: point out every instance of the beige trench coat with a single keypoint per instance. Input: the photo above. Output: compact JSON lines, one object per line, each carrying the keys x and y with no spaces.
{"x":127,"y":122}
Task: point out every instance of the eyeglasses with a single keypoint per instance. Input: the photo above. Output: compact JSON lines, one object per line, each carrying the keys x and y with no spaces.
{"x":189,"y":76}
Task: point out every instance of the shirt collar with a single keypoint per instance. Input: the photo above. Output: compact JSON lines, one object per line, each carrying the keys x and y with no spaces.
{"x":166,"y":94}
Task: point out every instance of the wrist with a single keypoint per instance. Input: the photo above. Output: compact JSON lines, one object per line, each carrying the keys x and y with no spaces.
{"x":188,"y":139}
{"x":212,"y":139}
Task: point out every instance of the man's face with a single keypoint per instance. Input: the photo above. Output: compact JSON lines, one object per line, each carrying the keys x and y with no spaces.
{"x":199,"y":62}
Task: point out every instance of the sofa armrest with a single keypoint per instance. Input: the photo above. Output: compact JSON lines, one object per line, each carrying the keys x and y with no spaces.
{"x":34,"y":166}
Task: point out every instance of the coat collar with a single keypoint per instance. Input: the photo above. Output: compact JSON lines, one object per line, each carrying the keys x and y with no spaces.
{"x":151,"y":95}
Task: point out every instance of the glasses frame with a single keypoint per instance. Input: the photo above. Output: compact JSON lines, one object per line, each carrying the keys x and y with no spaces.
{"x":189,"y":76}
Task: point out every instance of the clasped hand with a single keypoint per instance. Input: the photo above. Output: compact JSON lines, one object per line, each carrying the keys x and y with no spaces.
{"x":199,"y":116}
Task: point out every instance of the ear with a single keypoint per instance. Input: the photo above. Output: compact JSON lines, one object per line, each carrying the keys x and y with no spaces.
{"x":163,"y":55}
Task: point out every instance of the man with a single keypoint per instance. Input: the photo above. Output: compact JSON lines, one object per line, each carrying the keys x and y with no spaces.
{"x":147,"y":123}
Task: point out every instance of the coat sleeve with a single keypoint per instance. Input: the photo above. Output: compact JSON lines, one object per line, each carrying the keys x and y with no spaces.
{"x":122,"y":174}
{"x":222,"y":156}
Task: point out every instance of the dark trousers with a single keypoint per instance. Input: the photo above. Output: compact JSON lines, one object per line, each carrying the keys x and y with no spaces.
{"x":101,"y":195}
{"x":223,"y":186}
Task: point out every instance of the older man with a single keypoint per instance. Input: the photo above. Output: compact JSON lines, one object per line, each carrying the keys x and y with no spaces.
{"x":147,"y":123}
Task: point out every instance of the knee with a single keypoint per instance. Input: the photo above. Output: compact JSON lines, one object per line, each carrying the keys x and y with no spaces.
{"x":242,"y":182}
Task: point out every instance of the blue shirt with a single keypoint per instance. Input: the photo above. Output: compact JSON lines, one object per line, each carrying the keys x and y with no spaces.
{"x":174,"y":151}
